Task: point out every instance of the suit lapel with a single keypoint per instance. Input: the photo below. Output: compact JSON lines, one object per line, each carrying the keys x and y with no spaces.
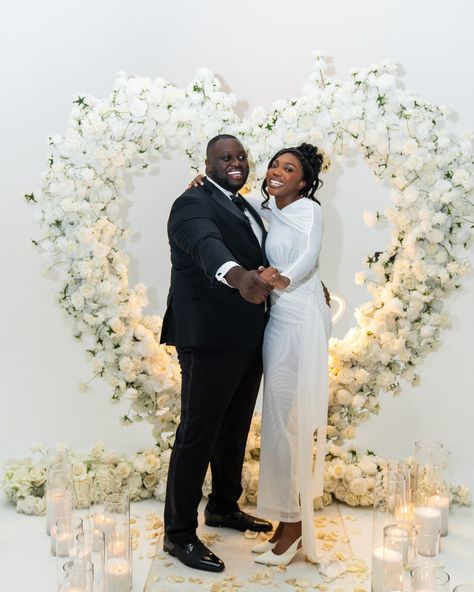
{"x":222,"y":199}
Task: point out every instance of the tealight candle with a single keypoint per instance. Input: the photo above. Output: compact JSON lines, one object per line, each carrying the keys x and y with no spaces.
{"x":387,"y":569}
{"x":441,"y":503}
{"x":117,"y":575}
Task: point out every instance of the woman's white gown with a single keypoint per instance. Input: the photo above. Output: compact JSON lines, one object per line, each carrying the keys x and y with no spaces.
{"x":295,"y":362}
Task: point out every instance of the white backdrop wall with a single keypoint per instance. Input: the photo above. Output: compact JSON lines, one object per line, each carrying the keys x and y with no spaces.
{"x":261,"y":49}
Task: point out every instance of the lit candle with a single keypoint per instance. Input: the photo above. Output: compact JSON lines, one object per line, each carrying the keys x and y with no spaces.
{"x":404,"y":514}
{"x":104,"y":524}
{"x":117,"y":575}
{"x":441,"y":502}
{"x":58,"y":506}
{"x":61,"y":542}
{"x":387,"y":569}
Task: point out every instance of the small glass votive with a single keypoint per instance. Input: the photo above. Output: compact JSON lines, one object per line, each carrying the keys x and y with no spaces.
{"x":426,"y":547}
{"x":78,"y":576}
{"x":427,"y":578}
{"x":464,"y":588}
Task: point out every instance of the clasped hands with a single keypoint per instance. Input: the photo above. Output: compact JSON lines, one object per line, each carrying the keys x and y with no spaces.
{"x":256,"y":285}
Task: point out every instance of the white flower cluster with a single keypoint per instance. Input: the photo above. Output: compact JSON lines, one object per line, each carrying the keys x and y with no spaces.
{"x":349,"y":476}
{"x":94,"y":476}
{"x":401,"y":136}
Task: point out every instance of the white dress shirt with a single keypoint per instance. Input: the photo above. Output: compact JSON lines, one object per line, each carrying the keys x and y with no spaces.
{"x":223,"y":269}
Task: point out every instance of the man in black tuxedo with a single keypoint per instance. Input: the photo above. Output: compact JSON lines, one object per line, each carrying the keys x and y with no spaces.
{"x":215,"y":317}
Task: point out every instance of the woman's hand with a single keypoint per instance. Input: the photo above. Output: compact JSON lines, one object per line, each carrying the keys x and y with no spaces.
{"x":197,"y":181}
{"x":273,"y":276}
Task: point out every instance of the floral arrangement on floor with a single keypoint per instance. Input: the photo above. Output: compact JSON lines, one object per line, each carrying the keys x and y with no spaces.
{"x":402,"y":139}
{"x":350,"y":477}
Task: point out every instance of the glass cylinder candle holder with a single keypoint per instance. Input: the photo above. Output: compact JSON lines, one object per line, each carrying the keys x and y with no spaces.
{"x":390,"y":496}
{"x":91,"y":546}
{"x":82,"y":496}
{"x":78,"y":576}
{"x":118,"y":564}
{"x":440,"y":501}
{"x":63,"y":535}
{"x":102,"y":522}
{"x":430,"y":459}
{"x":58,"y":495}
{"x":426,"y":578}
{"x":389,"y":560}
{"x":117,"y":511}
{"x":426,"y":546}
{"x":405,"y":512}
{"x":62,"y":538}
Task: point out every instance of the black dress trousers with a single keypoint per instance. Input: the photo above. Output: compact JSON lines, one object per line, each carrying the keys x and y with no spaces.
{"x":219,"y":390}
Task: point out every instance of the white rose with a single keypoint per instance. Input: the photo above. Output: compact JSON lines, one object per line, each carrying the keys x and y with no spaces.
{"x":79,"y":471}
{"x":343,"y":397}
{"x":123,"y":470}
{"x":358,"y":486}
{"x":367,"y":466}
{"x":352,"y":472}
{"x":336,"y":469}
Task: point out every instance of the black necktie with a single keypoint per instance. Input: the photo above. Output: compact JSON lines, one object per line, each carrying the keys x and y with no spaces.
{"x":239,"y":202}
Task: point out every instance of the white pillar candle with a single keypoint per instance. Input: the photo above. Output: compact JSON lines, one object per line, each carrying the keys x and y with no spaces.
{"x":427,"y":519}
{"x":117,"y":575}
{"x":387,"y":569}
{"x":58,"y":506}
{"x":441,"y":503}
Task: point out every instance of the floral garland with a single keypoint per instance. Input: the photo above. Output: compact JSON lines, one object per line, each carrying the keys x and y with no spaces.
{"x":401,"y":137}
{"x":349,"y":477}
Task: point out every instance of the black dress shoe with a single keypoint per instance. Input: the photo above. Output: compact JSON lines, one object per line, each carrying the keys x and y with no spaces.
{"x":238,"y":520}
{"x":195,"y":555}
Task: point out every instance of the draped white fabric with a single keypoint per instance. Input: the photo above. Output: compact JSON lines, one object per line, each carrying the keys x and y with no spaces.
{"x":295,"y":357}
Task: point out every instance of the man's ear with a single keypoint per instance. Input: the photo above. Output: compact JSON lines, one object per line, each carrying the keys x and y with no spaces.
{"x":207,"y":166}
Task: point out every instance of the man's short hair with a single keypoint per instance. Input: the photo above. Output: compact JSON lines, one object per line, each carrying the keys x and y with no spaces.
{"x":216,"y":139}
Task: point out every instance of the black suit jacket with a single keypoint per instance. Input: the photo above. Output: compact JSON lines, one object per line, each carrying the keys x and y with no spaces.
{"x":205,"y":229}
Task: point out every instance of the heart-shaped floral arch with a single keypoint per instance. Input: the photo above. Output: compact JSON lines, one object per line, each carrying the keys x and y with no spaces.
{"x":402,"y":139}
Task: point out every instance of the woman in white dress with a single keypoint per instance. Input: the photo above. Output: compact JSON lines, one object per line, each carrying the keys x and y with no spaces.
{"x":295,"y":355}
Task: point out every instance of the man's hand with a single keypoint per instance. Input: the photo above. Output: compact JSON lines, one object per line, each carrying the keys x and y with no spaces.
{"x":273,"y":276}
{"x":249,"y":283}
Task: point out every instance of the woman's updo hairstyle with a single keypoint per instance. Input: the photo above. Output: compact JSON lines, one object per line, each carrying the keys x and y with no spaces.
{"x":311,"y":161}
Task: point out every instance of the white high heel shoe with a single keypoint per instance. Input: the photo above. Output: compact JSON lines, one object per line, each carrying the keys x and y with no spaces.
{"x":269,"y":558}
{"x":263,"y":546}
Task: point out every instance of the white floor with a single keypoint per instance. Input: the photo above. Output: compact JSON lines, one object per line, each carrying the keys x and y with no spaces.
{"x":26,"y":564}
